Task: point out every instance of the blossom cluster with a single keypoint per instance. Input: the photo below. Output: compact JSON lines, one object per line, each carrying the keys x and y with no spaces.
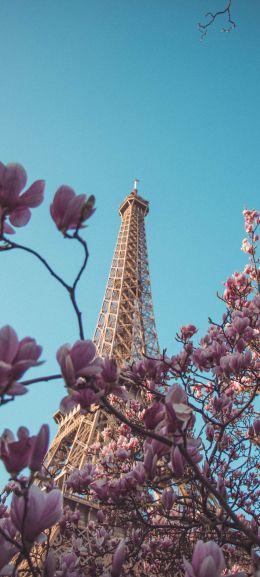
{"x":169,"y":482}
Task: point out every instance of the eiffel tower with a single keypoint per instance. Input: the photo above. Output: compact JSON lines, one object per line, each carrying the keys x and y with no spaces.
{"x":125,"y":331}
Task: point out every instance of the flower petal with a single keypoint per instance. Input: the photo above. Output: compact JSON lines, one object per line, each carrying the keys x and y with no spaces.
{"x":20,"y":216}
{"x":8,"y":344}
{"x":34,"y":195}
{"x":14,"y":179}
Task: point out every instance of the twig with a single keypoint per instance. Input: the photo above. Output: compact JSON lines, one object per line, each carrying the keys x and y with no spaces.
{"x":203,"y":28}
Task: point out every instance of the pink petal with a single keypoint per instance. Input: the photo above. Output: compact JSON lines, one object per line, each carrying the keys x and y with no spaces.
{"x":21,"y":367}
{"x":34,"y":195}
{"x":20,"y":216}
{"x":177,"y":462}
{"x":8,"y":570}
{"x":73,"y":213}
{"x":40,"y":448}
{"x":118,"y":559}
{"x":15,"y":179}
{"x":67,"y":404}
{"x":28,"y":349}
{"x":8,"y":344}
{"x":23,"y":433}
{"x":5,"y":370}
{"x":16,"y":389}
{"x":8,"y":229}
{"x":208,"y":568}
{"x":82,"y":353}
{"x":61,"y":199}
{"x":43,"y":510}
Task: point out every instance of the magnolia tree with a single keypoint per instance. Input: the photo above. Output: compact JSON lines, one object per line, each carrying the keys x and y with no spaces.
{"x":171,"y":480}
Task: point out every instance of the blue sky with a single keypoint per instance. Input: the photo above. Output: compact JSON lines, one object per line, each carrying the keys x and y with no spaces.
{"x":95,"y":93}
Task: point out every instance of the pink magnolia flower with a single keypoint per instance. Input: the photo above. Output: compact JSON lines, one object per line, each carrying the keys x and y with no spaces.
{"x":118,"y":559}
{"x":16,"y":357}
{"x":234,"y":363}
{"x":237,"y":288}
{"x":39,"y":511}
{"x":138,"y":473}
{"x":207,"y":561}
{"x":50,"y":565}
{"x":247,"y":247}
{"x":176,"y":405}
{"x":39,"y":448}
{"x":68,"y":563}
{"x":101,"y":487}
{"x":177,"y":462}
{"x":209,"y":432}
{"x":17,"y":206}
{"x":188,"y":331}
{"x":26,"y":452}
{"x":150,"y":460}
{"x":154,"y":414}
{"x":70,"y":519}
{"x":7,"y":549}
{"x":85,"y":397}
{"x":148,"y":368}
{"x":16,"y":454}
{"x":80,"y":479}
{"x":108,"y":378}
{"x":69,"y":210}
{"x":78,"y":361}
{"x":251,"y":219}
{"x":168,"y":498}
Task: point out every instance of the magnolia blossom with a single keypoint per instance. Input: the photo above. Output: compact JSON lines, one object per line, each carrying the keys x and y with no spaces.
{"x":188,"y":331}
{"x":168,"y":498}
{"x":70,"y":519}
{"x":247,"y":247}
{"x":16,"y":454}
{"x":177,"y":462}
{"x":26,"y":451}
{"x":118,"y":559}
{"x":35,"y":513}
{"x":88,"y":377}
{"x":68,"y":563}
{"x":7,"y":549}
{"x":237,"y":288}
{"x":234,"y":363}
{"x":154,"y":415}
{"x":50,"y":565}
{"x":176,"y":405}
{"x":151,"y":369}
{"x":207,"y":561}
{"x":17,"y":206}
{"x":251,"y":219}
{"x":69,"y":210}
{"x":16,"y":357}
{"x":209,"y":432}
{"x":78,"y":361}
{"x":80,"y":479}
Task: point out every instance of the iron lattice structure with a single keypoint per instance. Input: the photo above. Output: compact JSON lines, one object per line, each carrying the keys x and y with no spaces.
{"x":125,"y":331}
{"x":126,"y":326}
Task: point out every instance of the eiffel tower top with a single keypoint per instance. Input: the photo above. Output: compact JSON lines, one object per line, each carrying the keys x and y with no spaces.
{"x":126,"y":326}
{"x":133,"y":197}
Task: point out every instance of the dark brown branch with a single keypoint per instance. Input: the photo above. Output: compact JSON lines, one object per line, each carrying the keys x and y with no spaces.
{"x":40,"y":379}
{"x":203,"y":28}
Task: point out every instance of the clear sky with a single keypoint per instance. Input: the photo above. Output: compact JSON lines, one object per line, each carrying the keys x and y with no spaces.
{"x":95,"y":93}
